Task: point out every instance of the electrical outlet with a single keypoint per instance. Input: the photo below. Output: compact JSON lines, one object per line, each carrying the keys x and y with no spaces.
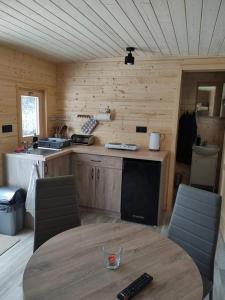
{"x":6,"y":128}
{"x":142,"y":129}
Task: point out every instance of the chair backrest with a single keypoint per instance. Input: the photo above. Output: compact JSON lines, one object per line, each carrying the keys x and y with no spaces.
{"x":194,"y":226}
{"x":56,"y":208}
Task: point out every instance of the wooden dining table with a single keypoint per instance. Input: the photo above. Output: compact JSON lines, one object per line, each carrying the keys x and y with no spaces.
{"x":70,"y":265}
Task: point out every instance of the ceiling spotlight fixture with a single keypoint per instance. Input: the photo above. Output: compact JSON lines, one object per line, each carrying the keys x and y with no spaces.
{"x":129,"y":59}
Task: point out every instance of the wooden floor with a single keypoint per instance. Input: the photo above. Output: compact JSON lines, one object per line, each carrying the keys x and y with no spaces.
{"x":12,"y":265}
{"x":13,"y":262}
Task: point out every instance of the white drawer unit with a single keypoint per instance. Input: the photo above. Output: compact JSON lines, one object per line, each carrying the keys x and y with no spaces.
{"x":203,"y":168}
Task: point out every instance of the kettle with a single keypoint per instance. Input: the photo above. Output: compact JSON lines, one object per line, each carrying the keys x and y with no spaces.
{"x":154,"y":141}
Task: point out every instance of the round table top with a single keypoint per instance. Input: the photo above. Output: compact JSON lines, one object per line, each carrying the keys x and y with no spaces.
{"x":70,"y":265}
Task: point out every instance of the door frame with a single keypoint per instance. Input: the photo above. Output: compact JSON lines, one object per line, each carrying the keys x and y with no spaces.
{"x":186,"y":67}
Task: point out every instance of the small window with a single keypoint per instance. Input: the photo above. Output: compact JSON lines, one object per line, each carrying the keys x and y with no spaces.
{"x":31,"y":113}
{"x":30,"y":116}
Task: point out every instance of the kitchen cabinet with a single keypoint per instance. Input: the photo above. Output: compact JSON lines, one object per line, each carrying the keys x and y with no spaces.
{"x":108,"y":188}
{"x":58,"y":166}
{"x":98,"y":181}
{"x":18,"y":168}
{"x":84,"y":175}
{"x":98,"y":176}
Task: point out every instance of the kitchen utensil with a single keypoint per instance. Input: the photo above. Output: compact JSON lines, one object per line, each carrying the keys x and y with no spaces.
{"x":89,"y":126}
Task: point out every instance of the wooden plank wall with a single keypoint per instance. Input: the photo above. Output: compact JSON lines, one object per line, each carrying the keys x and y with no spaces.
{"x":145,"y":94}
{"x":21,"y":70}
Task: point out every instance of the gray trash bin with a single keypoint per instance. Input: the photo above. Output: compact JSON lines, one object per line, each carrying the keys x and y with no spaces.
{"x":12,"y":209}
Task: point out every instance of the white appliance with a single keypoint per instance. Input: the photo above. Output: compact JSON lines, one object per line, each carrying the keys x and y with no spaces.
{"x":204,"y":165}
{"x":103,"y":117}
{"x":154,"y":141}
{"x":121,"y":146}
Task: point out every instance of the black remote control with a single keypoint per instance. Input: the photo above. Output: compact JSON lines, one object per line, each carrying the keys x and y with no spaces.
{"x":133,"y":289}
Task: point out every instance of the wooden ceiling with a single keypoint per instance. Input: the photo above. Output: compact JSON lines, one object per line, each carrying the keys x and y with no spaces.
{"x":71,"y":30}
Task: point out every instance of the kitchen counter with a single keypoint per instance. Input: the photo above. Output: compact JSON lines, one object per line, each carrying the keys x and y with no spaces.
{"x":97,"y":150}
{"x":29,"y":156}
{"x":98,"y":172}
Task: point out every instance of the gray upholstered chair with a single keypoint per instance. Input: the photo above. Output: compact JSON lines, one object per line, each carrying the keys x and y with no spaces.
{"x":56,"y":208}
{"x":194,"y":226}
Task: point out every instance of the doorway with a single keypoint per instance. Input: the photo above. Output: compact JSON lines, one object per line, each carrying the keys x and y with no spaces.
{"x":200,"y":130}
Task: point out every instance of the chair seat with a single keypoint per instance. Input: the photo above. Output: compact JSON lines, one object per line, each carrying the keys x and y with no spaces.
{"x":207,"y":286}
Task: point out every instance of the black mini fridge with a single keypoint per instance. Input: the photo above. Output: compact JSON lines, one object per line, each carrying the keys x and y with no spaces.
{"x":140,"y":191}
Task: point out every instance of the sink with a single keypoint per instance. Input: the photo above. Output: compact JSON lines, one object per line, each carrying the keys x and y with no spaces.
{"x":206,"y":150}
{"x":41,"y":151}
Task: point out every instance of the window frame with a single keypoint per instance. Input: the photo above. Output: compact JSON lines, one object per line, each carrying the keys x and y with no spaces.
{"x":42,"y":112}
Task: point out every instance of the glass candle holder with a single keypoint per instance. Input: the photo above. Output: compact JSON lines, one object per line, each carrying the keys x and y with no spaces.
{"x":112,"y":257}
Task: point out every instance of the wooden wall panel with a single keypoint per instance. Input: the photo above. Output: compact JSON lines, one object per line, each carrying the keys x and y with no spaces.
{"x":107,"y":85}
{"x":146,"y":94}
{"x":19,"y":70}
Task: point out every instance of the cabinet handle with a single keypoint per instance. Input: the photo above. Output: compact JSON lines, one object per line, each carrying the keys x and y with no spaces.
{"x":96,"y":160}
{"x":92,"y":173}
{"x":98,"y":174}
{"x":46,"y":169}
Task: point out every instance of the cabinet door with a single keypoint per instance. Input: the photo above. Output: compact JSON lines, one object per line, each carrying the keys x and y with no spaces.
{"x":108,"y":188}
{"x":57,"y":166}
{"x":85,"y":183}
{"x":18,"y":170}
{"x":140,"y":191}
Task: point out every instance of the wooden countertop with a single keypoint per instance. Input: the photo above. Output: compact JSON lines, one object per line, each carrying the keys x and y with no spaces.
{"x":139,"y":154}
{"x":97,"y":150}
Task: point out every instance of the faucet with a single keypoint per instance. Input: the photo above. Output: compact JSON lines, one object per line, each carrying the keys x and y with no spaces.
{"x":204,"y":143}
{"x":26,"y":145}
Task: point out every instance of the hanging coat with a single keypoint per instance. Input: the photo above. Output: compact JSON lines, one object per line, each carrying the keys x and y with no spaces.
{"x":187,"y":133}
